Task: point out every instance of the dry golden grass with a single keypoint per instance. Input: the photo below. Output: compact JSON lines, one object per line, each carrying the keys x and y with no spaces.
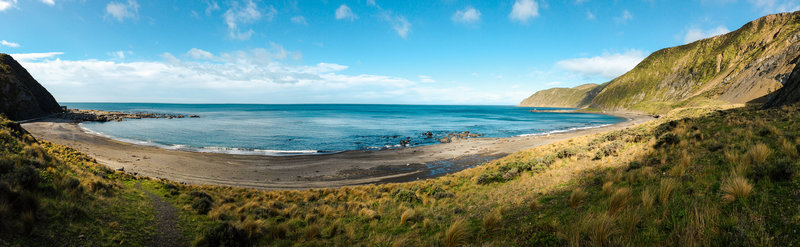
{"x":368,"y":213}
{"x":647,"y":200}
{"x":600,"y":228}
{"x":759,"y":153}
{"x":492,"y":221}
{"x":736,"y":188}
{"x":665,"y":188}
{"x":608,"y":188}
{"x":789,"y":149}
{"x":407,"y":215}
{"x":576,"y":197}
{"x":619,"y":200}
{"x":456,"y":234}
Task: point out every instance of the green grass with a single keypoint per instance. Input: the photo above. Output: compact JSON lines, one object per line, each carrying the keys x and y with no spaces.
{"x":701,"y":186}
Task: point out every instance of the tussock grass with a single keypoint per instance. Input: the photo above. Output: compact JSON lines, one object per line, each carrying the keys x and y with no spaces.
{"x":666,"y":186}
{"x":648,"y":199}
{"x":408,"y":215}
{"x":608,"y":188}
{"x":619,"y":200}
{"x":600,"y":228}
{"x":736,"y":188}
{"x":576,"y":197}
{"x":759,"y":153}
{"x":492,"y":221}
{"x":456,"y":234}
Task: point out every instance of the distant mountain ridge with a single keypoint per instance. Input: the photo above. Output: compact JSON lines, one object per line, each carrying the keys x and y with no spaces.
{"x":739,"y":67}
{"x":21,"y":96}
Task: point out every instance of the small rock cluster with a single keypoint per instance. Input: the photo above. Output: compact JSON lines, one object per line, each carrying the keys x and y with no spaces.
{"x":107,"y":116}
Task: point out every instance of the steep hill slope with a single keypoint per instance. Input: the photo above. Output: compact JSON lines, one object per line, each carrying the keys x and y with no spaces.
{"x":562,"y":97}
{"x":789,"y":93}
{"x":739,"y":67}
{"x":21,"y":96}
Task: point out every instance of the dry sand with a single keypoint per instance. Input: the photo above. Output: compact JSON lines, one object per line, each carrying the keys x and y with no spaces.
{"x":298,"y":172}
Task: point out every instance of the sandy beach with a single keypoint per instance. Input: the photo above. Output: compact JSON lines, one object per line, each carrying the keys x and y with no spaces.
{"x":298,"y":172}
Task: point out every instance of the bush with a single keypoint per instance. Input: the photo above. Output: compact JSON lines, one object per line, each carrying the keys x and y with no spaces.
{"x":566,"y":153}
{"x":24,"y":176}
{"x":438,"y":193}
{"x":488,"y":178}
{"x":668,"y":139}
{"x":609,"y":149}
{"x":201,"y":202}
{"x":223,"y":234}
{"x":404,"y":195}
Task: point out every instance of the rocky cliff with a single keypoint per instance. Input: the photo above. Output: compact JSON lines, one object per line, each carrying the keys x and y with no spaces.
{"x":739,"y":67}
{"x":21,"y":96}
{"x":575,"y":97}
{"x":790,"y":92}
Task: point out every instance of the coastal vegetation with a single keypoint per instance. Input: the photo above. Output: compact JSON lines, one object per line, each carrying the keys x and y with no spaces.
{"x":697,"y":176}
{"x":742,"y":66}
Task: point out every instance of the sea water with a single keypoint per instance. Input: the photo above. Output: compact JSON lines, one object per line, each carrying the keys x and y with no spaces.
{"x":325,"y":128}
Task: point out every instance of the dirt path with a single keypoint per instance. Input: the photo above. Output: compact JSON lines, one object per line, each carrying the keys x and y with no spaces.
{"x":167,"y":232}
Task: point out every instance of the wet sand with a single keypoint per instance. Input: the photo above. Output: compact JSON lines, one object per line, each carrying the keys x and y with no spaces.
{"x":298,"y":172}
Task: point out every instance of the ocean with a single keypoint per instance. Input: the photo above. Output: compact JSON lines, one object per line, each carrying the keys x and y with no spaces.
{"x":325,"y":128}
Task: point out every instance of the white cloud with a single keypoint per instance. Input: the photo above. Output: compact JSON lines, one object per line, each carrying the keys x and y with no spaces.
{"x":300,"y":20}
{"x":34,"y":56}
{"x":468,"y":15}
{"x":49,"y":2}
{"x":371,"y":3}
{"x":122,"y":11}
{"x":590,"y":15}
{"x":608,"y":66}
{"x":345,"y":13}
{"x":211,"y":6}
{"x":247,"y":76}
{"x":9,"y":44}
{"x":553,"y":83}
{"x":200,"y":54}
{"x":7,"y":4}
{"x":624,"y":17}
{"x":399,"y":23}
{"x":695,"y":34}
{"x":246,"y":13}
{"x":119,"y":55}
{"x":426,"y":79}
{"x":524,"y":10}
{"x":776,"y":6}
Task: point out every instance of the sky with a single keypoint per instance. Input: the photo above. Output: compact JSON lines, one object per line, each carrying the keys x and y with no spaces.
{"x":335,"y":51}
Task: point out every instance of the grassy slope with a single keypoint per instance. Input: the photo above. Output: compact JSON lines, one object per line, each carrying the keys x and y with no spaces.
{"x":680,"y":180}
{"x":694,"y":74}
{"x":672,"y":77}
{"x":560,"y":97}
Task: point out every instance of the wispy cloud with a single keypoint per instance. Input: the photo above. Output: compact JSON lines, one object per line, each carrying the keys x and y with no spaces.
{"x":776,"y":6}
{"x":299,"y":20}
{"x":345,"y":13}
{"x":34,"y":56}
{"x":7,"y":4}
{"x":426,"y":79}
{"x":9,"y":44}
{"x":49,"y":2}
{"x":624,"y":17}
{"x":523,"y":10}
{"x":399,"y":23}
{"x":468,"y":15}
{"x":246,"y":13}
{"x":607,"y":66}
{"x":695,"y":34}
{"x":590,"y":15}
{"x":122,"y":11}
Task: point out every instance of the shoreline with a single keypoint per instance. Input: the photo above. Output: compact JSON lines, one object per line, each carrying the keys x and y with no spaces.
{"x":345,"y":168}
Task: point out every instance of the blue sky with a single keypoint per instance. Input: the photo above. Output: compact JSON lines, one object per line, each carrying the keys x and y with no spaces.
{"x":367,"y":51}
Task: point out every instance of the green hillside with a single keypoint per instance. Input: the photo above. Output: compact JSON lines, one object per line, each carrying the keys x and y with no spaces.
{"x":562,"y":97}
{"x":739,"y":67}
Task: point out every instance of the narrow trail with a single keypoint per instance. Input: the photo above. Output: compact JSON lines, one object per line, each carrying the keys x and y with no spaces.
{"x":167,"y":232}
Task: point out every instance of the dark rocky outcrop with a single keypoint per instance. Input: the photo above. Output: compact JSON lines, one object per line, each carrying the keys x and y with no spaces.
{"x":21,"y":96}
{"x":790,"y":92}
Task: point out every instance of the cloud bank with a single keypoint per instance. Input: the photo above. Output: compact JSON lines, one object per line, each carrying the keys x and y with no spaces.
{"x":607,"y":66}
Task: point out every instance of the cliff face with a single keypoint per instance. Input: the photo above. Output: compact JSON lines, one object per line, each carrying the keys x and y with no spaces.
{"x":576,"y":97}
{"x":789,"y":93}
{"x":739,"y":67}
{"x":21,"y":96}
